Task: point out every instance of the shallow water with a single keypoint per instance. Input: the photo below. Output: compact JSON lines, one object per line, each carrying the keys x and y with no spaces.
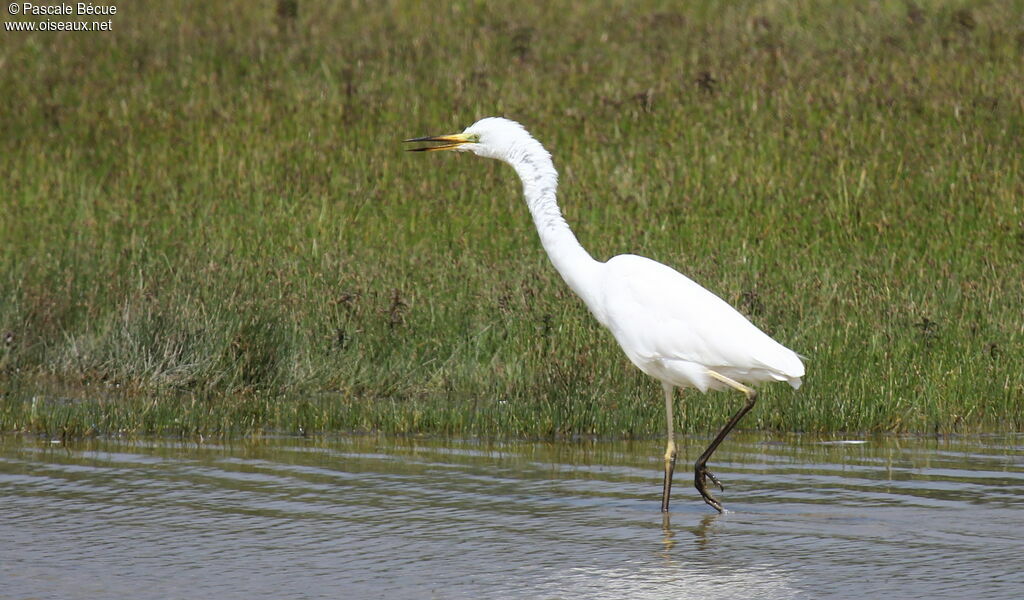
{"x":369,"y":517}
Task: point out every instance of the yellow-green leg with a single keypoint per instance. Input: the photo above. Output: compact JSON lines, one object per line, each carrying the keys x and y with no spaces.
{"x":670,"y":449}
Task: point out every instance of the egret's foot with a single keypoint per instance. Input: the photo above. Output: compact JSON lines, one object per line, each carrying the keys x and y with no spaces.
{"x":700,"y":477}
{"x":714,"y":480}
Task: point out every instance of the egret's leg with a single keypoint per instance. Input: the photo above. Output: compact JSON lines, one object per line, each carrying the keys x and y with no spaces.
{"x":700,"y":470}
{"x":670,"y":449}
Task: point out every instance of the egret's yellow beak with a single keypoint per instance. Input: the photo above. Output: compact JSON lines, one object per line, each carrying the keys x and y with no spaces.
{"x":447,"y":142}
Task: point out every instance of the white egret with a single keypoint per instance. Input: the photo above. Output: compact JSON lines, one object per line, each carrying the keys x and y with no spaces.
{"x":669,"y":326}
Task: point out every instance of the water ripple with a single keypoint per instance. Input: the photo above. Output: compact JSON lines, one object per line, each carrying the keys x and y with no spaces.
{"x":369,"y":517}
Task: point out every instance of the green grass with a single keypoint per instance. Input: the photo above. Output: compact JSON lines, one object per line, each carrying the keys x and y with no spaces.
{"x":208,"y":224}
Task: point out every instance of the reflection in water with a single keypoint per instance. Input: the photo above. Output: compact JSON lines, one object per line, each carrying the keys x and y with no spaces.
{"x":369,"y":517}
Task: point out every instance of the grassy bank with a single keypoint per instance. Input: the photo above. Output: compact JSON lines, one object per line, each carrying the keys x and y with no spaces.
{"x":208,"y":223}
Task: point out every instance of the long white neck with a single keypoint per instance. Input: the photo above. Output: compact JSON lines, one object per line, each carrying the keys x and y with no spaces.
{"x":540,"y":183}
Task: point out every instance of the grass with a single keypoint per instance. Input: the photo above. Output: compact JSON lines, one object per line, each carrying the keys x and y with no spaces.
{"x":209,"y":226}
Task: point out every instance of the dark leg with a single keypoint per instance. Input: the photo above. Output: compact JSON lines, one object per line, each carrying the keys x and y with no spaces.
{"x":700,"y":470}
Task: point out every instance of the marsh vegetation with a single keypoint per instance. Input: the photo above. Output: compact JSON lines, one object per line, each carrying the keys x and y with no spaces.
{"x":209,"y":226}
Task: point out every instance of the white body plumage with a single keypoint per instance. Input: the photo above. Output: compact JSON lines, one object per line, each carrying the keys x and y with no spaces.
{"x":676,"y":331}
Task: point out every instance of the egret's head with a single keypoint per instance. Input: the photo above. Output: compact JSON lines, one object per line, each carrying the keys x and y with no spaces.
{"x":492,"y":137}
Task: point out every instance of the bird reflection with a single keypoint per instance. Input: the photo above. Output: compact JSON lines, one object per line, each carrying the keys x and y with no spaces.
{"x":701,"y":531}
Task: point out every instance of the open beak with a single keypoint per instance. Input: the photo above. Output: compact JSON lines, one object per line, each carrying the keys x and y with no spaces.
{"x":446,"y":142}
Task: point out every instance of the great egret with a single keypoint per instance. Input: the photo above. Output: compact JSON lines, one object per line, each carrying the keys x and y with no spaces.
{"x":670,"y":327}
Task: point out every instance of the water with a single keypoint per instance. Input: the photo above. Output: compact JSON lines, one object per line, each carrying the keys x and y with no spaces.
{"x":369,"y":517}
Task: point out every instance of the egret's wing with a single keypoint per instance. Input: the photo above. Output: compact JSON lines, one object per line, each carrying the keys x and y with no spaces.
{"x":655,"y":312}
